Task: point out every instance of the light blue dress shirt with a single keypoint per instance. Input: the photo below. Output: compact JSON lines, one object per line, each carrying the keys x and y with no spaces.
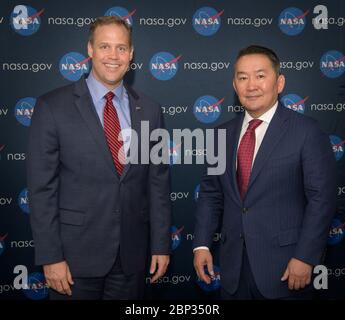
{"x":120,"y":101}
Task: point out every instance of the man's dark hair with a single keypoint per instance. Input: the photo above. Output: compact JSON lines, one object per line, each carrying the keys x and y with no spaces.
{"x":255,"y":49}
{"x":104,"y":21}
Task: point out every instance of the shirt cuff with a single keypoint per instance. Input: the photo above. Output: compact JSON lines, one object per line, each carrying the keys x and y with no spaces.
{"x":202,"y":247}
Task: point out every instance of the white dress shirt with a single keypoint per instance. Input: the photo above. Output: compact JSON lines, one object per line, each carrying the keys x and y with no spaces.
{"x":260,"y":132}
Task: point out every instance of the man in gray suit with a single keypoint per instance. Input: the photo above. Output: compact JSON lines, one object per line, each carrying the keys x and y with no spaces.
{"x":94,"y":218}
{"x":276,"y":199}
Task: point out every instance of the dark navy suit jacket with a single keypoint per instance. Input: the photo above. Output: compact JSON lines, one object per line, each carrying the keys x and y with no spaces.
{"x":287,"y":210}
{"x":81,"y":210}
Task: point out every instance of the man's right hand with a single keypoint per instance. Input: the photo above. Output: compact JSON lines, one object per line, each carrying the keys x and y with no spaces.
{"x":59,"y":277}
{"x":203,"y":257}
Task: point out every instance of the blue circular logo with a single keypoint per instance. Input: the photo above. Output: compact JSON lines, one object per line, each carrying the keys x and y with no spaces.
{"x":215,"y":283}
{"x":338,"y":146}
{"x":292,"y":21}
{"x":122,"y":13}
{"x":175,"y":237}
{"x":196,"y":193}
{"x":207,"y":21}
{"x":332,"y":64}
{"x":207,"y":109}
{"x":294,"y":102}
{"x":174,"y":152}
{"x":2,"y":244}
{"x":24,"y":109}
{"x":37,"y":288}
{"x":23,"y":200}
{"x":164,"y":66}
{"x":25,"y":20}
{"x":336,"y":232}
{"x":73,"y":65}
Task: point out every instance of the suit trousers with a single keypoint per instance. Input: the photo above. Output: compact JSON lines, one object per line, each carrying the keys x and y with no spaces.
{"x":115,"y":285}
{"x":247,"y":289}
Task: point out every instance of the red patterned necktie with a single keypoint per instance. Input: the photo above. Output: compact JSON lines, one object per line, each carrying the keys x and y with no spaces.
{"x":245,"y":155}
{"x":112,"y":130}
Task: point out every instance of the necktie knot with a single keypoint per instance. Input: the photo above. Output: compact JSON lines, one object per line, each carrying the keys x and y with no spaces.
{"x":253,"y":124}
{"x":109,"y":96}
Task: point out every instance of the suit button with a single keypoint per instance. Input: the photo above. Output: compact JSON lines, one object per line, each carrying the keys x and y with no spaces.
{"x":241,"y":235}
{"x":244,"y":210}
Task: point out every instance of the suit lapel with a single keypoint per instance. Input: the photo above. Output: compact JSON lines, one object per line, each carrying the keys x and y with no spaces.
{"x":233,"y":135}
{"x":274,"y":133}
{"x":87,"y":111}
{"x":135,"y":112}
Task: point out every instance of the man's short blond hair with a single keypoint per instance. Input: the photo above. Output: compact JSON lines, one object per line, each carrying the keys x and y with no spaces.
{"x":107,"y":20}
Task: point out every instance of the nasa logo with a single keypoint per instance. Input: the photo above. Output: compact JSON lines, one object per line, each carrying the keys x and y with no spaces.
{"x":292,"y":21}
{"x":332,"y":64}
{"x":174,"y":152}
{"x":25,"y":20}
{"x":23,"y":201}
{"x":175,"y":237}
{"x":2,"y":243}
{"x":122,"y":13}
{"x":215,"y":283}
{"x":207,"y":21}
{"x":164,"y":66}
{"x":207,"y":109}
{"x":338,"y":146}
{"x":37,"y":288}
{"x":294,"y":102}
{"x":24,"y":109}
{"x":73,"y":65}
{"x":336,"y":232}
{"x":196,"y":193}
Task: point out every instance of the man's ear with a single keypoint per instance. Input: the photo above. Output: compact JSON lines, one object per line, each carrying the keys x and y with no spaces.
{"x":89,"y":49}
{"x":131,"y":53}
{"x":234,"y":85}
{"x":281,"y":83}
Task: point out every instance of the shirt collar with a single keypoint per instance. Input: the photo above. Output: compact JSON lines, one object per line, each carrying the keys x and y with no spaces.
{"x":266,"y":117}
{"x":99,"y":90}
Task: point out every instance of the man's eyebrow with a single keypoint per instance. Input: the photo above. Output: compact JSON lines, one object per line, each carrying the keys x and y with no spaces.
{"x":260,"y":70}
{"x":256,"y":71}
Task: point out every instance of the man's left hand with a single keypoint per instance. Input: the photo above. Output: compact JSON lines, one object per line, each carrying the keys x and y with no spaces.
{"x":298,"y":273}
{"x":159,"y":265}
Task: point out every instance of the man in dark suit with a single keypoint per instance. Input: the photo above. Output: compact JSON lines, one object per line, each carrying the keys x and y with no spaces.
{"x":95,"y":218}
{"x":276,"y":199}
